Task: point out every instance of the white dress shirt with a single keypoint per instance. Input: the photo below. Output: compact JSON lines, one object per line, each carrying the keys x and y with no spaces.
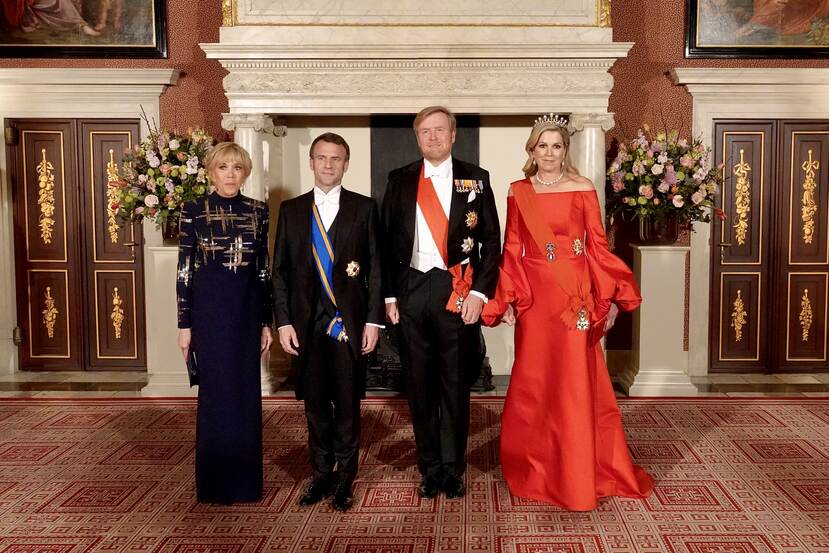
{"x":328,"y":204}
{"x":425,"y":253}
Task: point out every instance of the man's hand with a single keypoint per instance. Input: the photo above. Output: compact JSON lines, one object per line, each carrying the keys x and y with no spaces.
{"x":184,"y":338}
{"x":371,"y":334}
{"x":266,"y":340}
{"x":471,"y":309}
{"x":509,"y":316}
{"x":392,"y":314}
{"x":611,"y":317}
{"x":288,"y":339}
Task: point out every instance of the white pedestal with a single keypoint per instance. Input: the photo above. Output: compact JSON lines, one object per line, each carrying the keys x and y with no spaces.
{"x":166,"y":373}
{"x":658,"y":323}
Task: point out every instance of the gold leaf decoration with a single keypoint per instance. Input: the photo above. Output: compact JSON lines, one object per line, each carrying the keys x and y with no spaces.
{"x":739,"y":317}
{"x":50,"y":312}
{"x":805,"y":315}
{"x":807,"y":212}
{"x":604,"y":13}
{"x":742,"y":203}
{"x":46,"y":198}
{"x":227,"y":13}
{"x":117,"y":314}
{"x":112,"y":198}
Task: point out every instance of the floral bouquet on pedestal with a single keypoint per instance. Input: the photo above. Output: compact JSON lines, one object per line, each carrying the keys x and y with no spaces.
{"x":160,"y":174}
{"x":664,"y":178}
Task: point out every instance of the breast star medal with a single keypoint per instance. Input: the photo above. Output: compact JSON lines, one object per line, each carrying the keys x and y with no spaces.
{"x":352,"y":269}
{"x":468,"y":244}
{"x":472,"y":219}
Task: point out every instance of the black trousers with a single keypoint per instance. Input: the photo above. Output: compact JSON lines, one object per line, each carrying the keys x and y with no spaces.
{"x":436,"y":349}
{"x":332,"y":407}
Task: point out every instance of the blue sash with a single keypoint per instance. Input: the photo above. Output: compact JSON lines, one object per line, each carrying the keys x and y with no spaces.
{"x":324,"y":261}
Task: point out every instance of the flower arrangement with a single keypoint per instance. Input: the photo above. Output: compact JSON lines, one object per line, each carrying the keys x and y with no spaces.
{"x":160,"y":174}
{"x":664,"y":176}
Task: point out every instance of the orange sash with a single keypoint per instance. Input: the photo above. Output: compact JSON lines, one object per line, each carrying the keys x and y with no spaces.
{"x":580,"y":305}
{"x":438,"y":223}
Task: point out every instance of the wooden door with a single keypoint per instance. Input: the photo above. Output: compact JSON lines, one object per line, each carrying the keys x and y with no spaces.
{"x":770,"y":257}
{"x":740,"y":287}
{"x":47,"y":252}
{"x":802,"y":271}
{"x":80,"y":286}
{"x":113,"y":261}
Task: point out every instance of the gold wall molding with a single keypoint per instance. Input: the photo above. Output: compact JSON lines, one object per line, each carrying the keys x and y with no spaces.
{"x":46,"y":198}
{"x":739,"y":317}
{"x":50,"y":312}
{"x":807,"y":212}
{"x":742,"y":202}
{"x":604,"y":14}
{"x":117,"y":314}
{"x":228,"y":8}
{"x":805,"y":315}
{"x":112,"y":197}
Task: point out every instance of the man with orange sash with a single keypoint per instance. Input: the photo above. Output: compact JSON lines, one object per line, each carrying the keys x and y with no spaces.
{"x":441,"y":251}
{"x":328,"y":309}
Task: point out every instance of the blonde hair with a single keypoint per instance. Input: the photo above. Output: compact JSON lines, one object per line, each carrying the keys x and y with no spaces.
{"x":530,"y":168}
{"x":228,"y":151}
{"x":426,"y":112}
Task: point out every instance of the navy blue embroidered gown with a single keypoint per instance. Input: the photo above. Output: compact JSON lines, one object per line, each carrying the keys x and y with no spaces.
{"x":224,"y":296}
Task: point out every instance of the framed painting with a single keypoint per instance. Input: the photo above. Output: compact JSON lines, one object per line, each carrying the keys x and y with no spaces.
{"x":757,"y":29}
{"x":83,"y":28}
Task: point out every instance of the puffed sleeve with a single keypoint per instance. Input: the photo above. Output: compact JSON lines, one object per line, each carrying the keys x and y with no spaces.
{"x":513,"y":286}
{"x":186,"y":261}
{"x":263,"y":264}
{"x":612,"y":280}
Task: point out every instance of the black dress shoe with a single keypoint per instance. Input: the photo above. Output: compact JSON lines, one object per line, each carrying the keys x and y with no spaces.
{"x":453,"y":486}
{"x":343,"y":499}
{"x":318,"y":488}
{"x":429,"y":487}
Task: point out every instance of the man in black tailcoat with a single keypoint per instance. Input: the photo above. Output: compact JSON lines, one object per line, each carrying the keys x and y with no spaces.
{"x":328,"y":308}
{"x":441,"y":251}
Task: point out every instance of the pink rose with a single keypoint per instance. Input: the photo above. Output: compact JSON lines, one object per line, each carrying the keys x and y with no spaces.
{"x":151,"y":200}
{"x":646,"y":190}
{"x":678,"y":201}
{"x":663,"y":186}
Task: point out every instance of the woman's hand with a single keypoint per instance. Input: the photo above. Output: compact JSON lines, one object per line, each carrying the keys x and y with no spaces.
{"x":611,"y":317}
{"x":184,"y":338}
{"x":509,"y":316}
{"x":266,"y":341}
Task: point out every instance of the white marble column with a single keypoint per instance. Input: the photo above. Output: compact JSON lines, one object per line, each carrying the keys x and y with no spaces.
{"x":248,"y":132}
{"x":587,"y":147}
{"x":659,"y":322}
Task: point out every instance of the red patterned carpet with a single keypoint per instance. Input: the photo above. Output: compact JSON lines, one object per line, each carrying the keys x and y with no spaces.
{"x":733,"y":476}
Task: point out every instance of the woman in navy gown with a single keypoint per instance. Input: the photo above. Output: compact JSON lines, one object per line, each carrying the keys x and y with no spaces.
{"x":224,"y":314}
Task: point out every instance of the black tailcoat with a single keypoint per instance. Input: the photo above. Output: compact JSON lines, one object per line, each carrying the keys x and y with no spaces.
{"x":296,"y":282}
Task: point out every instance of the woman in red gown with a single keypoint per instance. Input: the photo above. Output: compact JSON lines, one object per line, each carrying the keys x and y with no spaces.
{"x":562,"y":440}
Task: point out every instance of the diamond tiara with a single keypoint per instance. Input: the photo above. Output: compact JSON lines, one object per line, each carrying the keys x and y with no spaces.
{"x":551,"y":119}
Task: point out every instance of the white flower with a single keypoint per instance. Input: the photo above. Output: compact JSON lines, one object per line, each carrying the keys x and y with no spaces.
{"x":678,"y":201}
{"x":174,"y":144}
{"x":664,"y":186}
{"x":657,"y":169}
{"x":151,"y":200}
{"x":696,"y":197}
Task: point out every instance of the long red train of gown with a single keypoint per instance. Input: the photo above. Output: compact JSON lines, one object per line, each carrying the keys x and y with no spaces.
{"x":562,"y":440}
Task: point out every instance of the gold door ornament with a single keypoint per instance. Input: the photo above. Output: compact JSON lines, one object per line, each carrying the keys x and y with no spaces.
{"x":117,"y":314}
{"x":743,"y":200}
{"x":604,"y":13}
{"x":112,"y":198}
{"x":807,"y":212}
{"x":739,"y":317}
{"x":50,"y":312}
{"x":805,"y":315}
{"x":46,"y":198}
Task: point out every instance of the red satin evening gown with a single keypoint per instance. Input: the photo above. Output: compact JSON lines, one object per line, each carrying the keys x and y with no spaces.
{"x":562,"y":440}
